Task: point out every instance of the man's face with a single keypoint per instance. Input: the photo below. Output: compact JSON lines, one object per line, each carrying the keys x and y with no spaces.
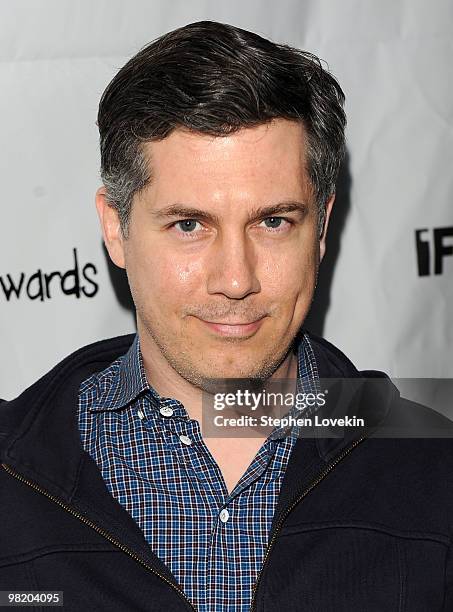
{"x":221,"y":286}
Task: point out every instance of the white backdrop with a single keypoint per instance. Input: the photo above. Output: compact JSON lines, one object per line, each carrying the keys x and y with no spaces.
{"x":376,"y":301}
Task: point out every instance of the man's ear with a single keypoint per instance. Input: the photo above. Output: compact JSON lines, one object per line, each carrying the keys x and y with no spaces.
{"x":111,"y":229}
{"x":322,"y":239}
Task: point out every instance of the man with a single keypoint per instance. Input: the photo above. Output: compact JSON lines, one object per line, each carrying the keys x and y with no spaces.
{"x":219,"y":156}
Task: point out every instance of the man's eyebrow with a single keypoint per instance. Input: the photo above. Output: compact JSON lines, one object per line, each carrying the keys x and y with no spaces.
{"x":189,"y":212}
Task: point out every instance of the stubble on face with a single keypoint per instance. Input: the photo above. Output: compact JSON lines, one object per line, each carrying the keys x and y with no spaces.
{"x":179,"y":355}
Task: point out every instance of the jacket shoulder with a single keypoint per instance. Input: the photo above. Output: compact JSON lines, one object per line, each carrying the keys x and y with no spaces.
{"x":69,"y":372}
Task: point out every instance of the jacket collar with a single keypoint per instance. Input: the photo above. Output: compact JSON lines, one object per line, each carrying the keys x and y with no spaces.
{"x":366,"y":394}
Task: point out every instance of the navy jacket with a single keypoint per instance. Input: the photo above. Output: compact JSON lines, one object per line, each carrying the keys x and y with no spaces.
{"x":363,"y":523}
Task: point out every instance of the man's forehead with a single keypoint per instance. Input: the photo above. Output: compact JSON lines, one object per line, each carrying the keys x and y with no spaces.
{"x":267,"y":157}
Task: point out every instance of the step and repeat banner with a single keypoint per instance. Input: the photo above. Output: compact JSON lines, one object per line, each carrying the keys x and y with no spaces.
{"x":385,"y":292}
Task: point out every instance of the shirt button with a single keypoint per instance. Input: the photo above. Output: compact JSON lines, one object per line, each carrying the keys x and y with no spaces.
{"x":224,"y":515}
{"x":185,"y":439}
{"x":166,"y":411}
{"x":140,"y":414}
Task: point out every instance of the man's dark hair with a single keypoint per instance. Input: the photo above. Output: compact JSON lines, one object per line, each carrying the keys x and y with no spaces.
{"x":215,"y":79}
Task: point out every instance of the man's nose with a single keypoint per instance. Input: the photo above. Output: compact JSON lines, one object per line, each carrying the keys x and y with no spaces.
{"x":231,"y":265}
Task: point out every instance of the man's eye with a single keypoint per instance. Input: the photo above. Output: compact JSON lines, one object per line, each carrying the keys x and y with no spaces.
{"x":275,"y":222}
{"x":186,"y":225}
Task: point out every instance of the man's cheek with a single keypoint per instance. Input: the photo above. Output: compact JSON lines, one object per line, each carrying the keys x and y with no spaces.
{"x":186,"y":273}
{"x":281,"y":278}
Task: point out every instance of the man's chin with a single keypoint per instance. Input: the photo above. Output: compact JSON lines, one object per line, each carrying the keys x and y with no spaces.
{"x":227,"y":382}
{"x":252,"y":376}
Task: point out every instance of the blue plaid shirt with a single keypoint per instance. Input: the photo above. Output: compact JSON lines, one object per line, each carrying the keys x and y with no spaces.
{"x":213,"y":542}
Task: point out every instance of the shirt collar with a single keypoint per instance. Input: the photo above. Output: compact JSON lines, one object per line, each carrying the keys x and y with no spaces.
{"x":127,"y":380}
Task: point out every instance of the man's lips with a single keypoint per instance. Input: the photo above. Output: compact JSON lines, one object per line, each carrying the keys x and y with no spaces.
{"x":233,"y":328}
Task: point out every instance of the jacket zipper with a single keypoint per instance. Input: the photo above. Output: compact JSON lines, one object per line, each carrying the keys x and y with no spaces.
{"x":98,"y":529}
{"x":296,"y":500}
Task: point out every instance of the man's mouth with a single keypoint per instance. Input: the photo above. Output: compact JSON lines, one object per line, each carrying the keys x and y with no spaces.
{"x":233,"y":328}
